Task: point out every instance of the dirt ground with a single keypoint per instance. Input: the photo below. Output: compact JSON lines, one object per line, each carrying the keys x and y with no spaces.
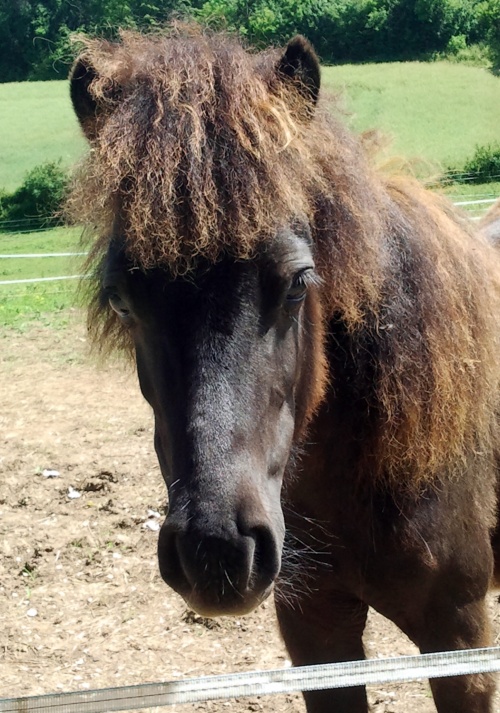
{"x":82,"y":605}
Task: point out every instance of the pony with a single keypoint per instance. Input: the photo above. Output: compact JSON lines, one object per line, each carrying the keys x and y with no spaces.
{"x":318,"y":343}
{"x":490,"y":223}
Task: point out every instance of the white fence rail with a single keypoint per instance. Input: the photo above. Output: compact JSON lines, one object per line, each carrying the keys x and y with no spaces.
{"x":9,"y":256}
{"x":480,"y":202}
{"x":259,"y":683}
{"x":40,"y":279}
{"x":28,"y":255}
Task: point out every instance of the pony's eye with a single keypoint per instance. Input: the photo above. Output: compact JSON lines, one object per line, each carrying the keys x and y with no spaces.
{"x":298,"y":288}
{"x":118,"y":305}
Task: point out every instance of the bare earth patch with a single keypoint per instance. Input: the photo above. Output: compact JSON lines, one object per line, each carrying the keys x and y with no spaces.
{"x":81,"y":602}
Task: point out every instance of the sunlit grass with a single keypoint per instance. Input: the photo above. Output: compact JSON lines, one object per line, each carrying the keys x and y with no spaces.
{"x":436,"y":111}
{"x":38,"y":125}
{"x":58,"y":240}
{"x":24,"y":302}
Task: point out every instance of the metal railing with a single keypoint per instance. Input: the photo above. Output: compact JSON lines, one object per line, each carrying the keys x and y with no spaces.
{"x":260,"y":683}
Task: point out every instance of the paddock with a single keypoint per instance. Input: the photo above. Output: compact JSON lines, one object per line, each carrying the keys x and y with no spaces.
{"x":83,"y":605}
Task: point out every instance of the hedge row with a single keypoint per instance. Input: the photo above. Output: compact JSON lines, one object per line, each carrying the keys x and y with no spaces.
{"x":35,"y":36}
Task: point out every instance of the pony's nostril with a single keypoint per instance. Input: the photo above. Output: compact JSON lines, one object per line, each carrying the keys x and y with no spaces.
{"x":267,"y":562}
{"x":169,"y":562}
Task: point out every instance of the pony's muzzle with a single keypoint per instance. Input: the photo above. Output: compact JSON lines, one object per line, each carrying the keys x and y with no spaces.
{"x":228,"y":572}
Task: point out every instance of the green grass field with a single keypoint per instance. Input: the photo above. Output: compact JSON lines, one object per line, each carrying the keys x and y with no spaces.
{"x":38,"y":125}
{"x":437,"y":112}
{"x":23,"y":302}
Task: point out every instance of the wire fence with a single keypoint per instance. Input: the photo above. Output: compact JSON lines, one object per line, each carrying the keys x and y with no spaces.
{"x":40,"y":279}
{"x":476,"y":205}
{"x":42,"y":224}
{"x":37,"y":255}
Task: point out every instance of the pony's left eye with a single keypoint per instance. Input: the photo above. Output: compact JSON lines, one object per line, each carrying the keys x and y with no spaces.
{"x":117,"y":304}
{"x":298,"y":288}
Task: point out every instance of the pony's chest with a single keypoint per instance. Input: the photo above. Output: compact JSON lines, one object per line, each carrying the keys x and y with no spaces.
{"x":361,"y":536}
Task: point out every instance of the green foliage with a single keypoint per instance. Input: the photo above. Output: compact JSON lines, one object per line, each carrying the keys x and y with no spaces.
{"x":490,"y":22}
{"x":476,"y":55}
{"x":34,"y":35}
{"x":37,"y":201}
{"x":354,"y":30}
{"x":218,"y":14}
{"x":483,"y":167}
{"x":456,"y":44}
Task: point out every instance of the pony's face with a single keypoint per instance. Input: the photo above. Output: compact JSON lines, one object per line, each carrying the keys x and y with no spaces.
{"x":224,"y":359}
{"x":229,"y":355}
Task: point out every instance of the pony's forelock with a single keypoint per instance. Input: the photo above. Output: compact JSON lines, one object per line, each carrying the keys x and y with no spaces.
{"x":191,"y":146}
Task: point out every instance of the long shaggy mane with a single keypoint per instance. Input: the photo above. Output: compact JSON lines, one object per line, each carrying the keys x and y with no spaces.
{"x":490,"y":224}
{"x":200,"y":151}
{"x":492,"y":214}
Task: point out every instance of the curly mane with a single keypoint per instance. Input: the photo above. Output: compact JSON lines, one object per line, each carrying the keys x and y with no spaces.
{"x":198,"y":150}
{"x":204,"y":157}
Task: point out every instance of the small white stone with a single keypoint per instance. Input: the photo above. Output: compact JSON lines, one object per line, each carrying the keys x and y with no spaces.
{"x":151,"y":525}
{"x":50,"y":473}
{"x":32,"y":612}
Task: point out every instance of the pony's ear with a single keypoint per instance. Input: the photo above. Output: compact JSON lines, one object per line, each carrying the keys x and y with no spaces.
{"x":299,"y":66}
{"x":86,"y":107}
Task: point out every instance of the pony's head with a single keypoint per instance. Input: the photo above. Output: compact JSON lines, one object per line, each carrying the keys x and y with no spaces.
{"x":233,"y":220}
{"x":206,"y":269}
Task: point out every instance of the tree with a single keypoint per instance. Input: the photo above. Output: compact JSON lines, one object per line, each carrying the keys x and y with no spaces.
{"x":491,"y":26}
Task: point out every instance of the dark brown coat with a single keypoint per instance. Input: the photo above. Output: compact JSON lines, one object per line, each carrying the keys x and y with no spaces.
{"x":295,"y":317}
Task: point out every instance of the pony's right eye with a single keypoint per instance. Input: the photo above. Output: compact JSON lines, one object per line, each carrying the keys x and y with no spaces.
{"x":298,"y":288}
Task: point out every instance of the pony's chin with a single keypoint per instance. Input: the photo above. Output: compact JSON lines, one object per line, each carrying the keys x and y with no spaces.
{"x":244,"y":604}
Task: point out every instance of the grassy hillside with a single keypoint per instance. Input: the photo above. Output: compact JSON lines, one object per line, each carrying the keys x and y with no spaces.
{"x":437,"y":111}
{"x":38,"y":125}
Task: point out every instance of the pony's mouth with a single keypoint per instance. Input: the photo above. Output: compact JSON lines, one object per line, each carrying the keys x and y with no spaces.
{"x":215,"y":606}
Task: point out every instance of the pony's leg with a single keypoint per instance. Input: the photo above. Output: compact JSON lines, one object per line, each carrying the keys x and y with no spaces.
{"x":326,"y":629}
{"x":449,"y":627}
{"x":495,"y":543}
